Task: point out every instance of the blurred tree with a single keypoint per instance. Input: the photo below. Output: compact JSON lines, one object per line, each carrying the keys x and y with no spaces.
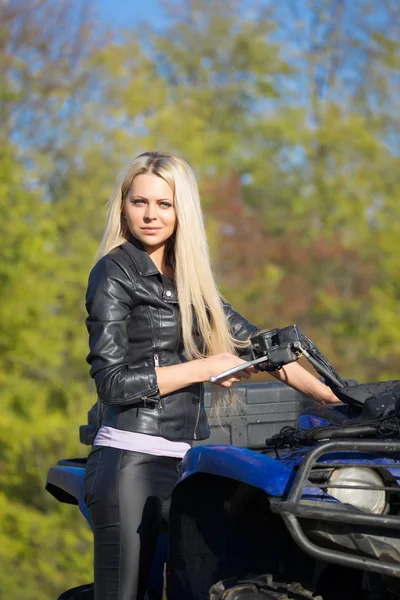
{"x":212,"y":73}
{"x":43,"y":396}
{"x":347,"y":161}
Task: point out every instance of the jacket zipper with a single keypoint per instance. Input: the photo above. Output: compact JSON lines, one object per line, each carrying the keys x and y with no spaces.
{"x":146,"y":399}
{"x":156,"y":365}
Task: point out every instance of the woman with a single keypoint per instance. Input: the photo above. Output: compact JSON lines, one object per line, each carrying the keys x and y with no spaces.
{"x":157,"y":330}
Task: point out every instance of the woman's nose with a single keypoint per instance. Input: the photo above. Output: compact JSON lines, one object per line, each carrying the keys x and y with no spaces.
{"x":150,"y":213}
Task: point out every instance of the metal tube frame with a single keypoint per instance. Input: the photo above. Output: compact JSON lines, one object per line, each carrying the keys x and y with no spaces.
{"x":292,"y":509}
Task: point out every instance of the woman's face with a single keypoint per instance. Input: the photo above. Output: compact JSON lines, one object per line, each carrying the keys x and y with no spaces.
{"x":149,"y":210}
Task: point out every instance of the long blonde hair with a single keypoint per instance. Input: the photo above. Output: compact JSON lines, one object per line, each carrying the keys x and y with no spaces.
{"x":187,"y":251}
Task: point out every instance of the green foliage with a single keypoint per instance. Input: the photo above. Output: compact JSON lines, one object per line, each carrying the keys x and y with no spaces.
{"x":296,"y":148}
{"x":41,"y":553}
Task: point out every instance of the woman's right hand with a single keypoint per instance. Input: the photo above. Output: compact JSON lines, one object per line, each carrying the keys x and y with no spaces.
{"x":218,"y":363}
{"x":175,"y":377}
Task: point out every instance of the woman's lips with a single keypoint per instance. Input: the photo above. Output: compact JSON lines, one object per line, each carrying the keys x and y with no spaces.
{"x":150,"y":230}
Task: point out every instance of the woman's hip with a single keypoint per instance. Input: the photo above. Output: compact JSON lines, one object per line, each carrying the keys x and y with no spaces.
{"x":114,"y":476}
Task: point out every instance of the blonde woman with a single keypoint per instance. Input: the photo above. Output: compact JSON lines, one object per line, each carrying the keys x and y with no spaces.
{"x":158,"y":329}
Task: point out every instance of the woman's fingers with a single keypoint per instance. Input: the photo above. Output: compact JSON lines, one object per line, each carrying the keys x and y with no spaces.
{"x":244,"y":374}
{"x":236,"y":378}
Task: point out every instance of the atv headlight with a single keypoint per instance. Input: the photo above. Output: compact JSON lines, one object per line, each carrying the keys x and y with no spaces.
{"x":367,"y":498}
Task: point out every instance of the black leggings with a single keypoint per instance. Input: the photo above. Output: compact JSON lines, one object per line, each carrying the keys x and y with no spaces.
{"x":124,"y":492}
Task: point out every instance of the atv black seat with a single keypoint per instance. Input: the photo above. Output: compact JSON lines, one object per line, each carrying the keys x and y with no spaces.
{"x":357,"y":394}
{"x":383,"y":402}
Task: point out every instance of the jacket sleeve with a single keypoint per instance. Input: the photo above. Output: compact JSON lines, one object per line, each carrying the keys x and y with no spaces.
{"x":240,"y":328}
{"x":109,"y":302}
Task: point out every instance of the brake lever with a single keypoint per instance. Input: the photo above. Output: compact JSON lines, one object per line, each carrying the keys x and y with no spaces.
{"x":320,"y":368}
{"x":257,"y":361}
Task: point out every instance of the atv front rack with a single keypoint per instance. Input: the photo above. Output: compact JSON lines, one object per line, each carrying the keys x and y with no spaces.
{"x":294,"y":509}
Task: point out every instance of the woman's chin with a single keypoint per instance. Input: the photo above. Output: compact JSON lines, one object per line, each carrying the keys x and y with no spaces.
{"x":151,"y":241}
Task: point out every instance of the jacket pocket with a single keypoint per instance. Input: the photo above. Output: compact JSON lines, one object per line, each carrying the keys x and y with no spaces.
{"x":92,"y":469}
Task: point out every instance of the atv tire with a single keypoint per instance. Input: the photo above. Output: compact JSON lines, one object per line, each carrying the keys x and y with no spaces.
{"x":82,"y":592}
{"x":259,"y":588}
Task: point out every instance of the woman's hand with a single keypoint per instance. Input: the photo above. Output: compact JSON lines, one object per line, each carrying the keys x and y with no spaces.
{"x":218,"y":363}
{"x":328,"y":397}
{"x":200,"y":370}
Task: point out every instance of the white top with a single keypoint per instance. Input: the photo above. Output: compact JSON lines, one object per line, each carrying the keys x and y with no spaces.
{"x":140,"y":442}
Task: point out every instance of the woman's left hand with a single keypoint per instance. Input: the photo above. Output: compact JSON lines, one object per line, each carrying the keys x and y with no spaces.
{"x":328,"y":397}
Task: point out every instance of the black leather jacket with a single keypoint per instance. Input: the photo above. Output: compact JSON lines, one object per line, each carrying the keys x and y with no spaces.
{"x":134,"y":325}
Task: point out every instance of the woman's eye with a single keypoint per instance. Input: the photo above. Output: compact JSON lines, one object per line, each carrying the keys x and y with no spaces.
{"x":165,"y":204}
{"x":137,"y":202}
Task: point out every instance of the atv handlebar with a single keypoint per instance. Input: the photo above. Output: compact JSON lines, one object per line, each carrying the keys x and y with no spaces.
{"x":275,"y":348}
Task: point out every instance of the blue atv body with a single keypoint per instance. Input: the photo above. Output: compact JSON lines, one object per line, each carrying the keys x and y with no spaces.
{"x":236,"y":512}
{"x":253,"y":513}
{"x":272,"y":523}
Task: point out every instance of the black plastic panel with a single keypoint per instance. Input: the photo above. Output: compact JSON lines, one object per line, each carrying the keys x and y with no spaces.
{"x":264,"y":408}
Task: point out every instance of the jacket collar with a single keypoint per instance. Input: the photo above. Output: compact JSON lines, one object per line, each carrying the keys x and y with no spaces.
{"x":140,"y":258}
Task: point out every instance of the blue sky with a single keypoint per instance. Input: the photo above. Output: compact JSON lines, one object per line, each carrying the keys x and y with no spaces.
{"x":130,"y":12}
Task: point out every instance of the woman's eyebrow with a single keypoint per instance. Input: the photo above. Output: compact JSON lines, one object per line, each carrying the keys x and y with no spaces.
{"x":158,"y":199}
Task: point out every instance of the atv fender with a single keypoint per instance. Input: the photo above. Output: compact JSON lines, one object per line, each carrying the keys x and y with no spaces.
{"x":247,"y":466}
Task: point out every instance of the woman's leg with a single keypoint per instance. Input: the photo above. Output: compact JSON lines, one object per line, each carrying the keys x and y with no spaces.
{"x":124,"y":491}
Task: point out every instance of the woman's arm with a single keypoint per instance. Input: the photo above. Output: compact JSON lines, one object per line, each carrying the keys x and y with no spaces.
{"x":300,"y":379}
{"x":109,"y":302}
{"x":176,"y":377}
